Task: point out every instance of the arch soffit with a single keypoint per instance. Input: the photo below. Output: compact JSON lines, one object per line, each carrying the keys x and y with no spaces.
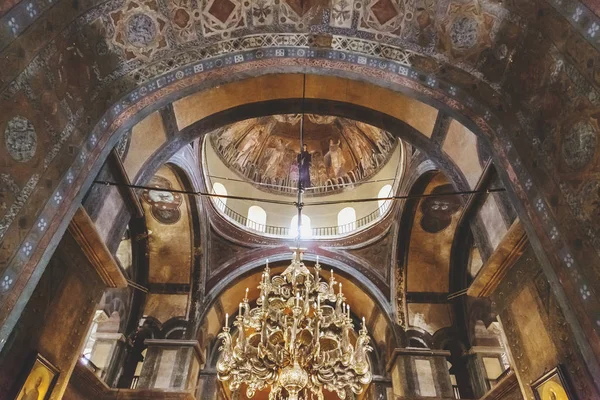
{"x":409,"y":119}
{"x":123,"y":114}
{"x":351,"y":278}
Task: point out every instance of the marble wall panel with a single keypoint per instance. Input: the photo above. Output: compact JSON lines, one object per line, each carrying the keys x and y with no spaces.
{"x":163,"y":307}
{"x":461,"y":146}
{"x":146,"y":138}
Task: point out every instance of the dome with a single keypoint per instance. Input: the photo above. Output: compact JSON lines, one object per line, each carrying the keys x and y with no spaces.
{"x":264,"y":151}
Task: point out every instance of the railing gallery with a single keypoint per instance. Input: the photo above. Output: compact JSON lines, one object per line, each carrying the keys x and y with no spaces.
{"x":320,"y":232}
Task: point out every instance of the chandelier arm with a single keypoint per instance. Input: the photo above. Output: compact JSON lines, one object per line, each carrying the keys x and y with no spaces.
{"x":296,"y":340}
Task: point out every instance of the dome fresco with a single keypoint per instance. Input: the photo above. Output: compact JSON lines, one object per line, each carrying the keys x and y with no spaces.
{"x":264,"y":151}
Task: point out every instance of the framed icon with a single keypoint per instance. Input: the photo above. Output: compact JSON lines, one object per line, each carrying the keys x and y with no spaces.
{"x":553,"y":385}
{"x":40,"y":380}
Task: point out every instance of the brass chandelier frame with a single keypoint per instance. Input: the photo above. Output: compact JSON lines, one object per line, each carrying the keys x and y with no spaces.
{"x":297,"y":340}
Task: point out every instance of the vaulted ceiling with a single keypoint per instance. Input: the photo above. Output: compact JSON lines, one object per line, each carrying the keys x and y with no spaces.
{"x":522,"y":75}
{"x":264,"y":150}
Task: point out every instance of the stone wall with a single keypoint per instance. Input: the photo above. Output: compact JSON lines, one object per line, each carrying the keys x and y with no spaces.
{"x":55,"y":321}
{"x":537,"y":334}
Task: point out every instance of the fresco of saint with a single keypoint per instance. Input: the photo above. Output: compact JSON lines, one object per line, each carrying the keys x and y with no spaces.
{"x":274,"y":157}
{"x":248,"y":146}
{"x":334,"y":159}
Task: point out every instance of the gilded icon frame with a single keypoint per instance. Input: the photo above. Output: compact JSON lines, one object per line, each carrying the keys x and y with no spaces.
{"x":38,"y":368}
{"x":553,"y":381}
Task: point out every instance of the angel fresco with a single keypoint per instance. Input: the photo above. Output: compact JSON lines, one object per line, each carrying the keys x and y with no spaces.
{"x":334,"y":159}
{"x":382,"y":140}
{"x":262,"y":150}
{"x":247,"y":147}
{"x":318,"y":171}
{"x":274,"y":157}
{"x":228,"y":135}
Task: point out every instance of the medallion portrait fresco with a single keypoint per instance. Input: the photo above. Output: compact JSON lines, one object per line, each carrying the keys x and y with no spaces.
{"x":20,"y":139}
{"x":438,"y":211}
{"x":493,"y":64}
{"x":165,"y":205}
{"x":264,"y":150}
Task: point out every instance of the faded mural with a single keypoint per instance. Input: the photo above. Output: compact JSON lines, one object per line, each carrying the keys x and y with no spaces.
{"x":531,"y":64}
{"x":265,"y":150}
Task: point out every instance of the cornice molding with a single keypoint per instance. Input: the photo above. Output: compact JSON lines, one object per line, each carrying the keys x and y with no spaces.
{"x":414,"y":353}
{"x":507,"y":385}
{"x":83,"y":230}
{"x":497,"y":266}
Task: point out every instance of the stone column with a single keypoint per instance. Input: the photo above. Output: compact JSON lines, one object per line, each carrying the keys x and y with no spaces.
{"x":171,"y":365}
{"x":485,"y":366}
{"x":55,"y":321}
{"x":380,"y":389}
{"x":420,"y":373}
{"x":209,"y":387}
{"x":106,"y":352}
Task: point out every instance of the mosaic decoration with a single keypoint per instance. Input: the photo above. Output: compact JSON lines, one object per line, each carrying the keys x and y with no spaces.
{"x":219,"y":16}
{"x":465,"y":30}
{"x":300,"y":12}
{"x":579,"y":144}
{"x":122,"y":146}
{"x":386,"y":16}
{"x":464,"y":33}
{"x":139,"y":29}
{"x":400,"y":295}
{"x":341,"y":13}
{"x":20,"y":139}
{"x":265,"y":151}
{"x":448,"y":71}
{"x":165,"y":205}
{"x":262,"y":12}
{"x":183,"y":19}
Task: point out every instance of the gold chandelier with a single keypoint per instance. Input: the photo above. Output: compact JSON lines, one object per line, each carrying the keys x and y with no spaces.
{"x":297,"y":340}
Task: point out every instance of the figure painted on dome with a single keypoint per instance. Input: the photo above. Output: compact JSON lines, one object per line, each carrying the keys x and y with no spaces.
{"x":304,"y":160}
{"x":229,"y":135}
{"x":274,"y":159}
{"x":382,"y":139}
{"x":247,"y":148}
{"x":334,"y":159}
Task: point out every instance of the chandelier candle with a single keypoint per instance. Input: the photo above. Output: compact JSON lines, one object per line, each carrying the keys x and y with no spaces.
{"x":297,"y":341}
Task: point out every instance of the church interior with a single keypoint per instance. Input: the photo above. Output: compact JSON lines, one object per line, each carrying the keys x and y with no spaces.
{"x":299,"y":199}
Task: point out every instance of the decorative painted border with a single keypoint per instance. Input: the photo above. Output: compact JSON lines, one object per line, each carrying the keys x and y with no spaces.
{"x":581,"y":18}
{"x":21,"y":17}
{"x":377,"y":67}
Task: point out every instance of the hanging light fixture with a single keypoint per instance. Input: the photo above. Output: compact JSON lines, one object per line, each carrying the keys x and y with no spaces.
{"x":297,"y":341}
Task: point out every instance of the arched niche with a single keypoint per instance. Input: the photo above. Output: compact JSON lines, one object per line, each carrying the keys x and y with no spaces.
{"x":382,"y":105}
{"x":363,"y":298}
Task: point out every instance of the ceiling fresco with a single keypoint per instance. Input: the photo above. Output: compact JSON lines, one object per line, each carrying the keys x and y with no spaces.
{"x":438,"y":211}
{"x":265,"y":150}
{"x":427,"y":266}
{"x":168,"y":218}
{"x":74,"y":73}
{"x":165,"y":206}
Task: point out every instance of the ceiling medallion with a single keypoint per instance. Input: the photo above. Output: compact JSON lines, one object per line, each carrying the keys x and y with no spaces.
{"x":298,"y":340}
